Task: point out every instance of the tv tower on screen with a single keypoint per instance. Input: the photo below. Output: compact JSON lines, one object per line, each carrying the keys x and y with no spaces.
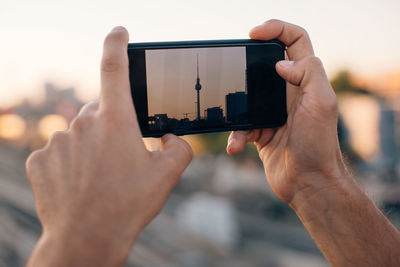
{"x":198,"y":88}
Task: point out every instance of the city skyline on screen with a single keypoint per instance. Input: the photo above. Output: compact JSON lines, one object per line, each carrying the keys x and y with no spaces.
{"x":172,"y":76}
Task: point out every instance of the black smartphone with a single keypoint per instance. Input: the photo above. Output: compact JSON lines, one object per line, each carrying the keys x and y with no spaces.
{"x":193,"y":87}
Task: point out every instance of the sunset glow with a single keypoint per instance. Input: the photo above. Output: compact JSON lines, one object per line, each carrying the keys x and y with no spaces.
{"x":387,"y":85}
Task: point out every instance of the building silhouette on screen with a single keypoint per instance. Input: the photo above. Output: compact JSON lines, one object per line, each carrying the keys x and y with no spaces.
{"x":236,"y":107}
{"x":215,"y":116}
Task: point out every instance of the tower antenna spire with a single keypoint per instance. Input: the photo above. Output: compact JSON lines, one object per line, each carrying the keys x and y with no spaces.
{"x":198,"y":66}
{"x":198,"y":88}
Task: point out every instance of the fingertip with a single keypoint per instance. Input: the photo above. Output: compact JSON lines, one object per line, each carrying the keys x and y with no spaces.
{"x":229,"y":147}
{"x":284,"y":64}
{"x":230,"y":150}
{"x":118,"y":28}
{"x":257,"y":32}
{"x":114,"y":51}
{"x":117,"y":34}
{"x":229,"y":143}
{"x":235,"y":144}
{"x":265,"y":30}
{"x":235,"y":148}
{"x":283,"y":68}
{"x":253,"y":33}
{"x":171,"y":141}
{"x":174,"y":156}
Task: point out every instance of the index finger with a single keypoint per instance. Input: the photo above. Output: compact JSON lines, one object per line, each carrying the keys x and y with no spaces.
{"x":115,"y":85}
{"x":294,"y":37}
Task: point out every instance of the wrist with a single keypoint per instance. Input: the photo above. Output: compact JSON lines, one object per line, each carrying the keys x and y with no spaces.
{"x":79,"y":249}
{"x":345,"y":223}
{"x":321,"y":191}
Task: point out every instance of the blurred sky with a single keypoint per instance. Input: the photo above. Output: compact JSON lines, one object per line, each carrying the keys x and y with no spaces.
{"x":61,"y":41}
{"x":171,"y":78}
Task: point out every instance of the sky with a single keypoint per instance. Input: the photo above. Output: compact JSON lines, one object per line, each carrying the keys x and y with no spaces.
{"x":61,"y":41}
{"x":171,"y":78}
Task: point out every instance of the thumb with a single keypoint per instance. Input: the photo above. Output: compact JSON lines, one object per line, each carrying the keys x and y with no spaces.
{"x":304,"y":72}
{"x":176,"y":153}
{"x":309,"y":74}
{"x":237,"y":140}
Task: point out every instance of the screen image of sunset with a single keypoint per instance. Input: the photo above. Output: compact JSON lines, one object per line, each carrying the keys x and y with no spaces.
{"x":195,"y":86}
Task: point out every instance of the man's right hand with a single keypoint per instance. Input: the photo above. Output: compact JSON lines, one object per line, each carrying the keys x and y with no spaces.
{"x":307,"y":146}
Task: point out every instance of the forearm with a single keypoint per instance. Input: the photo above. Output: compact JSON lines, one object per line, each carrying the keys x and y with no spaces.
{"x":62,"y":250}
{"x":347,"y":226}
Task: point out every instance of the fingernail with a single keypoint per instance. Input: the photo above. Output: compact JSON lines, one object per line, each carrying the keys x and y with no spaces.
{"x":230,"y":141}
{"x":117,"y":28}
{"x":285,"y":63}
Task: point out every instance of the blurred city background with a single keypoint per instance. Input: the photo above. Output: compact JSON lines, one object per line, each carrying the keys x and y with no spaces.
{"x":223,"y":212}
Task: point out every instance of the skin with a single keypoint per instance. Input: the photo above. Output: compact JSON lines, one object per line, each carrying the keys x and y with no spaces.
{"x":96,"y":186}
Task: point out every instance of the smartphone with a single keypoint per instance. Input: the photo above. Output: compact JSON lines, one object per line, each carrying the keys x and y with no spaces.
{"x":192,"y":87}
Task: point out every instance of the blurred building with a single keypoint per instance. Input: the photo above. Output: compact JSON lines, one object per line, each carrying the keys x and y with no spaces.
{"x":59,"y":101}
{"x":388,"y":146}
{"x":210,"y":216}
{"x":24,"y":109}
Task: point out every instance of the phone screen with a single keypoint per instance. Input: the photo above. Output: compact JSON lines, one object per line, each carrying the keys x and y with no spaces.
{"x":203,"y":89}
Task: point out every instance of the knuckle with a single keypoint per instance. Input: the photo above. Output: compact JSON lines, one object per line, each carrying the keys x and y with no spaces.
{"x":34,"y":162}
{"x":90,"y":107}
{"x":314,"y":62}
{"x":297,"y":31}
{"x":331,"y":104}
{"x":187,"y":150}
{"x":58,"y":138}
{"x":186,"y":153}
{"x":111,"y":63}
{"x":81,"y":122}
{"x":275,"y":21}
{"x":303,"y":32}
{"x":295,"y":77}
